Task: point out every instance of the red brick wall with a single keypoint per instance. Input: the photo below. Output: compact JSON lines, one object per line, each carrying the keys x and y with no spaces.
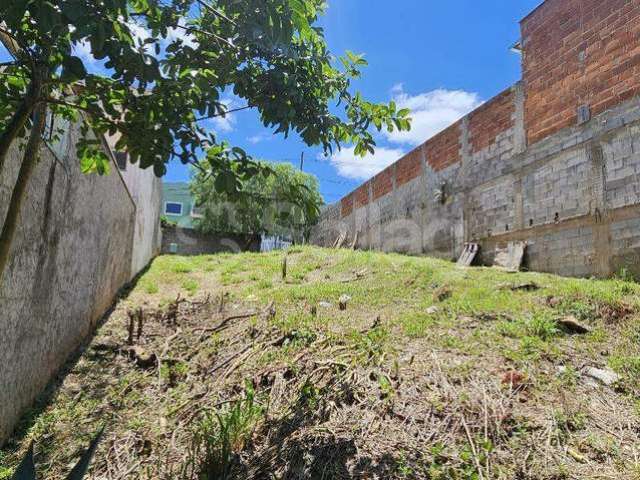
{"x":347,"y":205}
{"x":578,"y":52}
{"x":409,"y":167}
{"x":443,"y":150}
{"x":490,"y":120}
{"x":362,"y":195}
{"x":382,"y":183}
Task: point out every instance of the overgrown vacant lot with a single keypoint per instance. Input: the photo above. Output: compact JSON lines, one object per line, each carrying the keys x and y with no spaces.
{"x":431,"y":372}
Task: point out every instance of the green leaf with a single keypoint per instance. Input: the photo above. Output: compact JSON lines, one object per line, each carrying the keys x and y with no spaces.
{"x":47,"y":16}
{"x":73,"y":69}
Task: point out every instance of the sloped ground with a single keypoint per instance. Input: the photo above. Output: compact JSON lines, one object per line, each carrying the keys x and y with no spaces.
{"x":430,"y":372}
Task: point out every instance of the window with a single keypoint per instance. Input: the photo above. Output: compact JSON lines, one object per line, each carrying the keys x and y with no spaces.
{"x":173,"y":208}
{"x":121,"y":160}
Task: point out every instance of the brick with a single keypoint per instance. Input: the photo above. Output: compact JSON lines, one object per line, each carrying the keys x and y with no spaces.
{"x":490,"y":120}
{"x":409,"y":167}
{"x":443,"y":150}
{"x":362,"y":195}
{"x":557,"y":82}
{"x":382,"y":183}
{"x":347,"y":205}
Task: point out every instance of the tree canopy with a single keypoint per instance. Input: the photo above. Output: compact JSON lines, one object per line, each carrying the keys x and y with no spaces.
{"x":265,"y":205}
{"x":155,"y":89}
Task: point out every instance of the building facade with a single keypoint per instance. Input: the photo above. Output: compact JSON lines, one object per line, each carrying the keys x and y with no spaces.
{"x":178,"y":204}
{"x":552,"y":161}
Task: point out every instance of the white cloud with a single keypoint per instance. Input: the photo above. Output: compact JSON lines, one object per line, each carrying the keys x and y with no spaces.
{"x":227,"y":123}
{"x":362,"y":168}
{"x":259,"y":138}
{"x":140,"y":32}
{"x":179,"y":33}
{"x":432,"y":112}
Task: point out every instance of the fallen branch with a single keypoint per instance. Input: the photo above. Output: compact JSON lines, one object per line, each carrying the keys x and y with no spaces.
{"x":229,"y":360}
{"x":224,"y":323}
{"x":474,"y":451}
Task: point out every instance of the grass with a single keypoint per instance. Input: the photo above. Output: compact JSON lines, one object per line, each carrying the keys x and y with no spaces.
{"x":420,"y":341}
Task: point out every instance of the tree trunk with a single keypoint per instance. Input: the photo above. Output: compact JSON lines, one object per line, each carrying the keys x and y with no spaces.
{"x":19,"y":190}
{"x":17,"y":122}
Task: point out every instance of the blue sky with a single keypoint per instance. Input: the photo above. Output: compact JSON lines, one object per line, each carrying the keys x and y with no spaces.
{"x":440,"y":57}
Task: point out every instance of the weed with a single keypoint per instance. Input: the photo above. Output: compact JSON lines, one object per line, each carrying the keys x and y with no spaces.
{"x":310,"y":395}
{"x":191,"y":286}
{"x":219,"y":436}
{"x":171,"y":373}
{"x":386,"y":387}
{"x":151,"y":287}
{"x":181,"y":267}
{"x":541,"y":325}
{"x":625,"y":275}
{"x":569,"y":377}
{"x":567,"y":422}
{"x":264,"y":284}
{"x":371,"y":346}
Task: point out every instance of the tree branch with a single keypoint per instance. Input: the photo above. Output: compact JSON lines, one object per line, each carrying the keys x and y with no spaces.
{"x":216,"y":12}
{"x":17,"y":122}
{"x":224,"y":114}
{"x":10,"y":224}
{"x":210,"y":34}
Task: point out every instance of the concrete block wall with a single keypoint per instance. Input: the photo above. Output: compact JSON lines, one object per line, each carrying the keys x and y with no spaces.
{"x":73,"y":251}
{"x":522,"y":167}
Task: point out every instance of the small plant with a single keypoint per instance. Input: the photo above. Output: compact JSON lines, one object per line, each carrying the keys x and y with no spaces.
{"x":542,"y":326}
{"x":372,"y":346}
{"x":151,"y":288}
{"x":566,"y":423}
{"x":27,"y":470}
{"x":625,"y":275}
{"x":221,"y":435}
{"x":310,"y":395}
{"x":191,"y":286}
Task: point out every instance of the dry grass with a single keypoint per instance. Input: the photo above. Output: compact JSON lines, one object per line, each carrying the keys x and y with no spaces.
{"x":249,"y":376}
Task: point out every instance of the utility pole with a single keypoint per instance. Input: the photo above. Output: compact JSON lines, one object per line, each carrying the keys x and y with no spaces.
{"x":301,"y":160}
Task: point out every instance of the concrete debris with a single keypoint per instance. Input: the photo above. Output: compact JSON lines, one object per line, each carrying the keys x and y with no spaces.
{"x":571,"y":325}
{"x":354,"y":244}
{"x":342,"y":301}
{"x":340,"y":240}
{"x":468,"y":254}
{"x":511,"y":257}
{"x":325,"y":304}
{"x":605,"y":376}
{"x":433,"y":310}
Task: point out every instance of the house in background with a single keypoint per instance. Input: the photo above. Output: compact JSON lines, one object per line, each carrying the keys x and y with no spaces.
{"x":179,"y":232}
{"x":178,"y":205}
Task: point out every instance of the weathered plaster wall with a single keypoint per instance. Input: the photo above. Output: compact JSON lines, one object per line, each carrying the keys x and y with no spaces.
{"x":146,"y":190}
{"x":72,"y":253}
